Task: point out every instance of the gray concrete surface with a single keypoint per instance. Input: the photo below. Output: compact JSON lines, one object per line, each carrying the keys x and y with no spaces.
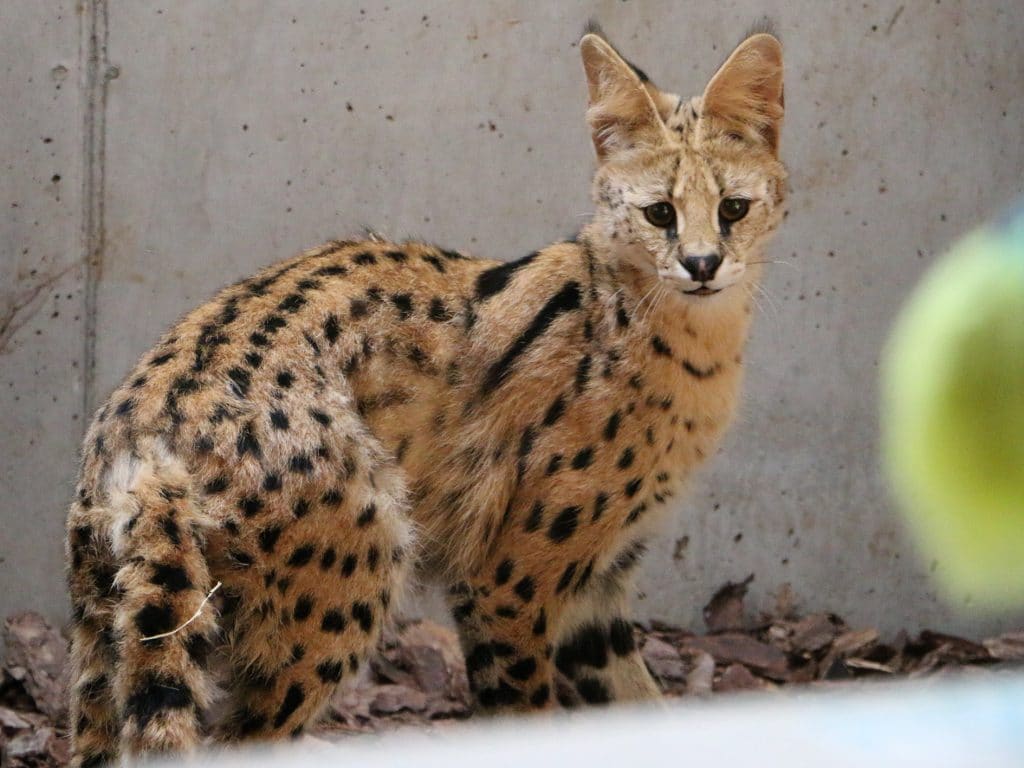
{"x":195,"y":141}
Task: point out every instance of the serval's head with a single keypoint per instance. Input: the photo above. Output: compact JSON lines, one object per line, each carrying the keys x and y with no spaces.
{"x":688,"y":189}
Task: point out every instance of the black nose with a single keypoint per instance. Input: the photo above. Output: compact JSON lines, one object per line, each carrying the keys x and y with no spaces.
{"x":702,"y":268}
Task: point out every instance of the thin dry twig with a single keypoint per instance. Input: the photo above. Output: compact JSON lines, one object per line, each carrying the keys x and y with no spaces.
{"x":195,"y":616}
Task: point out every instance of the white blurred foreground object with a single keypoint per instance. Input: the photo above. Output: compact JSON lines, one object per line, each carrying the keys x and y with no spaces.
{"x":974,"y":724}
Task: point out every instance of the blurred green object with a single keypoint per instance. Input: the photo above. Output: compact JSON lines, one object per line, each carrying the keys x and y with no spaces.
{"x":953,"y":413}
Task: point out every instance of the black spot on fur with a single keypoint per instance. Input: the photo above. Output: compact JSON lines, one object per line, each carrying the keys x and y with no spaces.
{"x":331,"y":270}
{"x":372,"y":558}
{"x":242,"y":559}
{"x":566,"y":578}
{"x":504,"y":695}
{"x":268,"y":538}
{"x":301,"y":508}
{"x":583,"y":373}
{"x":94,"y":689}
{"x":173,"y":578}
{"x":522,"y":669}
{"x":629,"y":557}
{"x":364,"y":259}
{"x":554,"y":464}
{"x":611,"y":427}
{"x":584,"y":577}
{"x":555,"y":411}
{"x":301,"y":556}
{"x":217,"y":485}
{"x":540,"y":696}
{"x":540,"y":624}
{"x":626,"y":459}
{"x":320,"y":417}
{"x":621,"y":638}
{"x":635,"y":512}
{"x":279,"y":419}
{"x":564,"y":524}
{"x":292,"y":303}
{"x":250,"y":505}
{"x":348,"y":565}
{"x":503,"y":572}
{"x":273,"y":324}
{"x":328,"y":558}
{"x":154,"y":619}
{"x":434,"y":262}
{"x":593,"y":690}
{"x":332,"y":498}
{"x":247,"y":442}
{"x":633,"y":486}
{"x":367,"y":515}
{"x":583,"y":458}
{"x":438,"y":311}
{"x":330,"y":671}
{"x":171,"y":530}
{"x":198,"y":649}
{"x":494,"y":280}
{"x":154,"y":695}
{"x":479,"y":658}
{"x":250,"y":722}
{"x":362,"y":613}
{"x":333,"y":621}
{"x":293,"y":699}
{"x":358,"y":309}
{"x":403,"y":303}
{"x":301,"y":463}
{"x":566,"y":300}
{"x":525,"y":589}
{"x":661,"y":347}
{"x":285,"y":379}
{"x":463,"y":611}
{"x":272,"y":482}
{"x":303,"y":607}
{"x":535,"y":519}
{"x":332,"y":329}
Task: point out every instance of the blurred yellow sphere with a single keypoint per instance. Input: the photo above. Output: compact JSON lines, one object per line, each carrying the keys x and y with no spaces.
{"x":953,"y":414}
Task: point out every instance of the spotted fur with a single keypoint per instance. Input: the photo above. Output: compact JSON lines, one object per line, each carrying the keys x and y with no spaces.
{"x":514,"y":430}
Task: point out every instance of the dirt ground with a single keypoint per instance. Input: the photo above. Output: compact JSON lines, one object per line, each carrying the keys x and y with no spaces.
{"x":419,"y":678}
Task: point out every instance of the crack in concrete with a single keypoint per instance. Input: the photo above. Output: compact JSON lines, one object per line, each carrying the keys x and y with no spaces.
{"x":14,"y":316}
{"x":96,"y":76}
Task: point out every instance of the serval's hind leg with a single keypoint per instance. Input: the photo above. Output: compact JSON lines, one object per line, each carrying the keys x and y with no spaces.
{"x":137,"y":657}
{"x":314,"y":600}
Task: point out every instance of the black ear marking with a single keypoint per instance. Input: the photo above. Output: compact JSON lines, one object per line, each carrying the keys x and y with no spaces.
{"x":763,"y":26}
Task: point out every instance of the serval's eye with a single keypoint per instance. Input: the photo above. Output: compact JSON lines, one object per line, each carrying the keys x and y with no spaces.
{"x":661,"y":215}
{"x":732,"y":209}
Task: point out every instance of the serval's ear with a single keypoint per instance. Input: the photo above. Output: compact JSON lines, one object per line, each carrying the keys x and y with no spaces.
{"x":746,"y":92}
{"x":622,"y":114}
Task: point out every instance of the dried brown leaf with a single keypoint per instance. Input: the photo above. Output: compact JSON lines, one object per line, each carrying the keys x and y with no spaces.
{"x":1006,"y":647}
{"x":725,"y":609}
{"x":663,"y":660}
{"x":737,"y":677}
{"x":743,"y":649}
{"x":36,"y":656}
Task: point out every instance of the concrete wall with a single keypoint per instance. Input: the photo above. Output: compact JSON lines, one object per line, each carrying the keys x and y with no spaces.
{"x":154,"y":151}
